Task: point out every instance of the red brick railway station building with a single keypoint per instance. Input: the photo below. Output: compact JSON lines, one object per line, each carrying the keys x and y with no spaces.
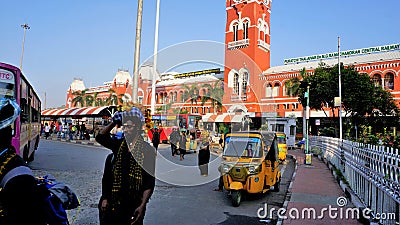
{"x":251,"y":86}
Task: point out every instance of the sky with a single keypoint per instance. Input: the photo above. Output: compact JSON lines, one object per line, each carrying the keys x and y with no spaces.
{"x":92,"y":39}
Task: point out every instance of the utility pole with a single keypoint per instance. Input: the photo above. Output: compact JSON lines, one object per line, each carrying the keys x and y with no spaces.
{"x":25,"y":27}
{"x":340,"y":94}
{"x":135,"y":85}
{"x":153,"y":83}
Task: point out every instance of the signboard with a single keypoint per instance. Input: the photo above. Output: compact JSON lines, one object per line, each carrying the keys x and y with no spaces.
{"x":317,"y":122}
{"x":360,"y":51}
{"x":196,"y":73}
{"x":171,"y":117}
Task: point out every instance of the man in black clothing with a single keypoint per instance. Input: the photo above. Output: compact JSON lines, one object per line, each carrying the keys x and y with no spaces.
{"x":133,"y":172}
{"x":156,"y":137}
{"x":106,"y":187}
{"x":174,"y":140}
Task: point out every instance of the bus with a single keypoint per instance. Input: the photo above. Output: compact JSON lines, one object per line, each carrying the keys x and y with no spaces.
{"x":167,"y":122}
{"x":26,"y":128}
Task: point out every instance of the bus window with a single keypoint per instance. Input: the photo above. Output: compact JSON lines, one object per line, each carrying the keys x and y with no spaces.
{"x":7,"y":84}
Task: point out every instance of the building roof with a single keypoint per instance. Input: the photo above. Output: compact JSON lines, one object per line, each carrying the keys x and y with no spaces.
{"x":351,"y":60}
{"x":189,"y":80}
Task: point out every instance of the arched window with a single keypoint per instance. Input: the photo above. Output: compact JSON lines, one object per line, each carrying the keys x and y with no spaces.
{"x":246,"y":30}
{"x":245,"y":82}
{"x":389,"y":81}
{"x":236,"y":83}
{"x":275,"y":92}
{"x":181,"y":96}
{"x":377,"y":80}
{"x":235,"y":32}
{"x":268,"y":91}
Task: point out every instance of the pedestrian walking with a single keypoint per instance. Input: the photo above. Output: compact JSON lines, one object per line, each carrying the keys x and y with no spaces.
{"x":82,"y":131}
{"x":204,"y":153}
{"x":133,"y":178}
{"x":174,"y":141}
{"x":60,"y":130}
{"x":182,"y":145}
{"x":46,"y":130}
{"x":18,"y":196}
{"x":156,"y":137}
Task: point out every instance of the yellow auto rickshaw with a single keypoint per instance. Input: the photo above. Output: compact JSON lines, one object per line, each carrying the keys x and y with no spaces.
{"x":282,"y":146}
{"x":250,"y":163}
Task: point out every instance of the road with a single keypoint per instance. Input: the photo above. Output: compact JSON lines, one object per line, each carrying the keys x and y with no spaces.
{"x":181,"y":195}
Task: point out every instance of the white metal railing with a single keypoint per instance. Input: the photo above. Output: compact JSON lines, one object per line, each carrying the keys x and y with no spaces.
{"x":238,"y":44}
{"x":372,"y":172}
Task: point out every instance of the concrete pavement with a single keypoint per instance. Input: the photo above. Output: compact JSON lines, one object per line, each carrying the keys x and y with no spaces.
{"x":315,"y":197}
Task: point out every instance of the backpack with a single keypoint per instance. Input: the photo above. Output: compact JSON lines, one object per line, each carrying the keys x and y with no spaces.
{"x":56,"y":198}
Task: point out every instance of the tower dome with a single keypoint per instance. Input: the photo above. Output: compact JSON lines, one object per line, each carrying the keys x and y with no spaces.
{"x":122,"y":76}
{"x":77,"y":85}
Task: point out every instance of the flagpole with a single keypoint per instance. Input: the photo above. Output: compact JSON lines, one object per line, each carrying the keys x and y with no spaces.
{"x":153,"y":83}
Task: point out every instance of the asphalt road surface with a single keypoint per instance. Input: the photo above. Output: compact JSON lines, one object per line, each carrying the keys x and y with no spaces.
{"x":181,"y":196}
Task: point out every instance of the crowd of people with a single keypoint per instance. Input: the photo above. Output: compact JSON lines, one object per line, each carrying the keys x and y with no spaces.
{"x":69,"y":130}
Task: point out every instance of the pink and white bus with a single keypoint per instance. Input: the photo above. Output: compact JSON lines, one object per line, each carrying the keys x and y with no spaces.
{"x":26,"y":128}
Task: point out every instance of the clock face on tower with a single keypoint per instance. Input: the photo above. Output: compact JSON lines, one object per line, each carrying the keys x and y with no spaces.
{"x":266,"y":2}
{"x":237,"y":1}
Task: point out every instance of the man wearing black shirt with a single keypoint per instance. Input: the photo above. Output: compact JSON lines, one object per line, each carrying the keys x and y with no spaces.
{"x":132,"y":179}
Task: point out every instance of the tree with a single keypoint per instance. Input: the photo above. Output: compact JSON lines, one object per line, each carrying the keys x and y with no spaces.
{"x":79,"y":99}
{"x":89,"y":100}
{"x":112,"y":98}
{"x":214,"y":94}
{"x":360,"y":98}
{"x":192,"y":93}
{"x":293,"y":85}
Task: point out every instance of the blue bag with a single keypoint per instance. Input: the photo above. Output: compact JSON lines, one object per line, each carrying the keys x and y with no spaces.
{"x":56,"y":198}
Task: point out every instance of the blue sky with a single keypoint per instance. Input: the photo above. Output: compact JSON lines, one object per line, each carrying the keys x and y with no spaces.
{"x":92,"y":39}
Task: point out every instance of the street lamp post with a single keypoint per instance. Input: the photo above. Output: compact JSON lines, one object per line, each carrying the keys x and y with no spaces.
{"x":135,"y":85}
{"x":153,"y":83}
{"x":25,"y":27}
{"x":340,"y":95}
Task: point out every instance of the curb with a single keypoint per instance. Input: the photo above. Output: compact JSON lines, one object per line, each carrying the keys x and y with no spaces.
{"x":289,"y":191}
{"x":81,"y":142}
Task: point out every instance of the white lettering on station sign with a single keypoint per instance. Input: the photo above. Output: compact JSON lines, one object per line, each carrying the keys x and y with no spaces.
{"x":360,"y":51}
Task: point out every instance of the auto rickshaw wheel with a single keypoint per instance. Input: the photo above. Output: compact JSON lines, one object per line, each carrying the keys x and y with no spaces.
{"x":236,"y":198}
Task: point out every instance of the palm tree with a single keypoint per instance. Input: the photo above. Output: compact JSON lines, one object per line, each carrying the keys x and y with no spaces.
{"x":112,"y":98}
{"x":95,"y":99}
{"x":89,"y":100}
{"x":214,"y":94}
{"x":192,"y":93}
{"x":293,"y":85}
{"x":79,"y":99}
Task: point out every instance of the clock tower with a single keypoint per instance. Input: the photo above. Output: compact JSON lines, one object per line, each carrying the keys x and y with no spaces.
{"x":247,"y":53}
